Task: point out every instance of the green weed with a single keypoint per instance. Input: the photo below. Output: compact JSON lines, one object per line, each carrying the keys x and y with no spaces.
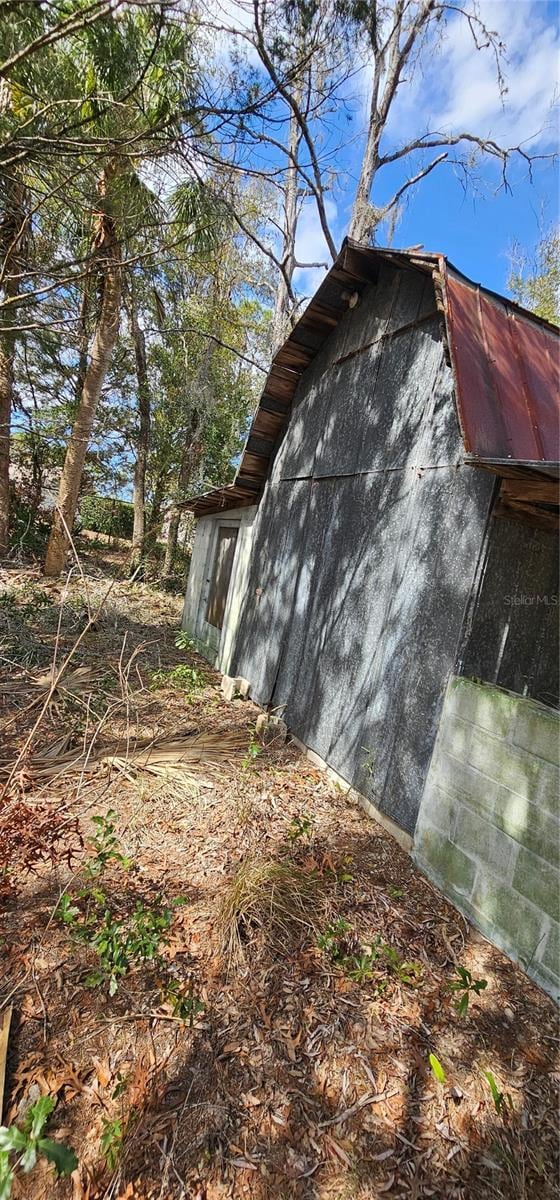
{"x":332,"y":941}
{"x":368,"y":962}
{"x":111,"y":1140}
{"x":184,"y":1003}
{"x":119,"y":940}
{"x":300,"y":827}
{"x":436,"y":1069}
{"x":183,"y":641}
{"x":182,"y":678}
{"x":502,"y":1101}
{"x":465,"y":984}
{"x":27,"y":1143}
{"x":253,"y":751}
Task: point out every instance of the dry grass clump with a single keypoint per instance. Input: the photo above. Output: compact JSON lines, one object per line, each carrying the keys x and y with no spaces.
{"x":280,"y":898}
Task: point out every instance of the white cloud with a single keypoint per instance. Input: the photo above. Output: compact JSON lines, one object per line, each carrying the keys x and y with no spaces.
{"x":311,"y":246}
{"x":457,"y":88}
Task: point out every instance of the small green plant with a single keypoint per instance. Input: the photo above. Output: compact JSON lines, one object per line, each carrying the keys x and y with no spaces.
{"x":182,"y":677}
{"x":436,"y":1069}
{"x":406,"y":972}
{"x":119,"y":939}
{"x":300,"y":827}
{"x":184,"y":1003}
{"x":120,"y":942}
{"x":341,"y":871}
{"x":501,"y":1099}
{"x":396,"y":893}
{"x":365,"y":963}
{"x":465,"y":984}
{"x":332,"y":941}
{"x":27,"y":1143}
{"x":183,"y":641}
{"x":111,"y":1140}
{"x":253,"y":751}
{"x":363,"y":967}
{"x":105,"y":843}
{"x":24,"y":602}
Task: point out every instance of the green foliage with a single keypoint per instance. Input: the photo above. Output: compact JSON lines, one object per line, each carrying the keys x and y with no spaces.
{"x":25,"y":602}
{"x":27,"y":1143}
{"x":182,"y":677}
{"x":536,"y":285}
{"x":107,"y":515}
{"x":119,"y":942}
{"x":120,"y":939}
{"x":406,"y":972}
{"x":253,"y":751}
{"x":333,"y":939}
{"x":365,"y":963}
{"x":465,"y":984}
{"x":112,"y":1134}
{"x":502,"y":1101}
{"x":300,"y":827}
{"x":184,"y":1003}
{"x":105,"y":844}
{"x":183,"y":641}
{"x":436,"y":1069}
{"x":29,"y":530}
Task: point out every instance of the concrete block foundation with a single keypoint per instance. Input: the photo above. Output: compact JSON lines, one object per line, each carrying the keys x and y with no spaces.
{"x":488,"y":830}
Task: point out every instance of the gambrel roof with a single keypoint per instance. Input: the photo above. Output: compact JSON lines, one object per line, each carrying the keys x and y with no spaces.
{"x":504,"y":359}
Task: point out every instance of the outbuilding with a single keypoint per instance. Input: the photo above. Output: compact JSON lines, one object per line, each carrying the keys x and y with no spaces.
{"x":384,"y":573}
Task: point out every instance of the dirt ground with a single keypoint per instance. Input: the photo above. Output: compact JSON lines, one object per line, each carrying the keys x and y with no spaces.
{"x":297,"y":1068}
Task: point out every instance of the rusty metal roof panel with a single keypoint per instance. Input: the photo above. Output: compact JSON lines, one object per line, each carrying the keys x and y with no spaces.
{"x":506,"y":368}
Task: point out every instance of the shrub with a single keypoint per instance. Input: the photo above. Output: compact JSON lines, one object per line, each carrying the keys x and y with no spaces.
{"x":106,"y":514}
{"x":29,"y":528}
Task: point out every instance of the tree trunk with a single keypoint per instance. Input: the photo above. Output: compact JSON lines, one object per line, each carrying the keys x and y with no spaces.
{"x":142,"y":442}
{"x":12,"y":235}
{"x":283,"y":308}
{"x":7,"y":351}
{"x":103,"y":344}
{"x":189,"y":461}
{"x":152,"y":532}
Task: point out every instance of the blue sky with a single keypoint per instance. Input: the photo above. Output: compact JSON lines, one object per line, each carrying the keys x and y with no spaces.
{"x":455,"y":88}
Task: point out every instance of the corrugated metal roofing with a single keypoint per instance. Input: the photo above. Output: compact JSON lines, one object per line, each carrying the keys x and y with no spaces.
{"x":505,"y":362}
{"x":506,"y":368}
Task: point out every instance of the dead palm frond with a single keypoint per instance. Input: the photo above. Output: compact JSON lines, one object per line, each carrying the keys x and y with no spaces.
{"x":72,"y":683}
{"x":178,"y":755}
{"x":281,"y":897}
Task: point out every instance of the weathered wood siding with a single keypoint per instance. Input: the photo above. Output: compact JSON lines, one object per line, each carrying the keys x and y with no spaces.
{"x":365,"y":549}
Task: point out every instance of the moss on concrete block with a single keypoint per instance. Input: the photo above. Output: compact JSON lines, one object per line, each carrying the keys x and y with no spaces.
{"x":483,"y":705}
{"x":441,"y":810}
{"x":549,"y":790}
{"x":514,"y":768}
{"x":520,"y":923}
{"x":481,"y":840}
{"x":464,"y":784}
{"x":538,"y":881}
{"x":450,"y":865}
{"x":550,"y":955}
{"x":529,"y":824}
{"x":538,"y":730}
{"x":456,"y":737}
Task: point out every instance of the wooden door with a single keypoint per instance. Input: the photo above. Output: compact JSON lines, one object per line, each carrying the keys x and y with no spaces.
{"x":221,"y":575}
